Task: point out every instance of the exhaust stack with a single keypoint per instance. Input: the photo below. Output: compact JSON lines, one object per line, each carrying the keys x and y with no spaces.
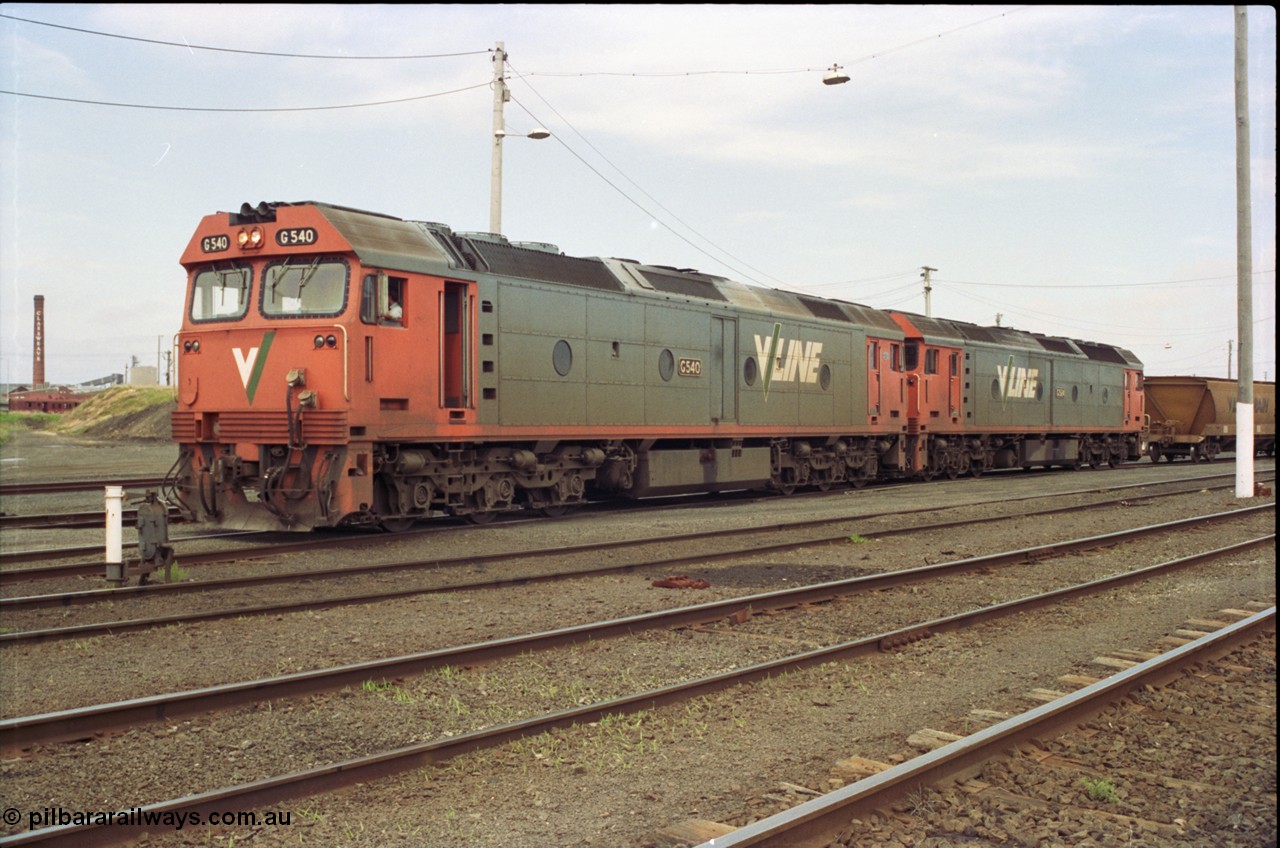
{"x":37,"y":362}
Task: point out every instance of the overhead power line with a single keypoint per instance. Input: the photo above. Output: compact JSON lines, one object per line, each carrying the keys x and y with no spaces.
{"x":1038,"y":286}
{"x":190,"y":46}
{"x":241,"y":109}
{"x":766,"y":72}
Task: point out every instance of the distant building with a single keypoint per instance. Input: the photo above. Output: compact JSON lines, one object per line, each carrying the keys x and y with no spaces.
{"x":49,"y":399}
{"x":143,"y":375}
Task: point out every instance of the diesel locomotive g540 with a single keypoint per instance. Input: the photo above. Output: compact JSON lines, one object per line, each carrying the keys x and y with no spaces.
{"x":340,"y":367}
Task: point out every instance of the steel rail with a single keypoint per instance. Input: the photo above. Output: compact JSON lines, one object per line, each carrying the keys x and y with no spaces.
{"x":55,"y":487}
{"x":79,"y":722}
{"x":72,"y":520}
{"x":127,"y":625}
{"x":372,"y":767}
{"x":815,"y":823}
{"x":79,"y":569}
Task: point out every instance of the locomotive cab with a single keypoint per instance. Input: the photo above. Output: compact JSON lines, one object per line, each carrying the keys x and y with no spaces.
{"x":294,"y":354}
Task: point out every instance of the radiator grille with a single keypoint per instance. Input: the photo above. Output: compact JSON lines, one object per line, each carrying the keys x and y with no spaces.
{"x":323,"y":426}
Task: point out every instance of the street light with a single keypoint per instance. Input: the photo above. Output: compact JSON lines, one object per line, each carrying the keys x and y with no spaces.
{"x":500,"y":97}
{"x":835,"y":76}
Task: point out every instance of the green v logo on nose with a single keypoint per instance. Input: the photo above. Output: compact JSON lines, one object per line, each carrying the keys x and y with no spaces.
{"x":250,"y":365}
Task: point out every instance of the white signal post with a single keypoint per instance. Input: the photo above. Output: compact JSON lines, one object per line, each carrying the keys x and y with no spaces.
{"x":114,"y":554}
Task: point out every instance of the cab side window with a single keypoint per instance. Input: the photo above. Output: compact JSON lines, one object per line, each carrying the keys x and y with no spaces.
{"x":382,"y":299}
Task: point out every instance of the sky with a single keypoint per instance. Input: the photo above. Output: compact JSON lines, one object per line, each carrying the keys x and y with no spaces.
{"x":1067,"y":170}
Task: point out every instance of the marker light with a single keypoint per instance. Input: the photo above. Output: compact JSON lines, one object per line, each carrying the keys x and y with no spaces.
{"x":331,"y":340}
{"x":319,"y":341}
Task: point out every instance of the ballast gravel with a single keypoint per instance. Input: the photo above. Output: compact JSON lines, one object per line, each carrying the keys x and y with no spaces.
{"x":725,"y":757}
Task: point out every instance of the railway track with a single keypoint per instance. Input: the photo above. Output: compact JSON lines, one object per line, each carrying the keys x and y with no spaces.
{"x":73,"y":520}
{"x":25,"y":731}
{"x":62,"y":486}
{"x":10,"y":576}
{"x":363,"y":769}
{"x":10,"y":606}
{"x":822,"y":821}
{"x":10,"y":560}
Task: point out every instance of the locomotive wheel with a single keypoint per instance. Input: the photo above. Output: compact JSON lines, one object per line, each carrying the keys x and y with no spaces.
{"x":396,"y":525}
{"x":1155,"y":453}
{"x":481,"y":517}
{"x":952,"y":472}
{"x":555,"y":511}
{"x":386,"y":502}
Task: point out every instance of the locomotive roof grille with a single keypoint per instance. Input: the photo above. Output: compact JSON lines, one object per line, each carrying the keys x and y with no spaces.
{"x":1056,"y":345}
{"x":687,"y":285}
{"x":973,"y":332}
{"x":1103,"y":353}
{"x":509,"y":261}
{"x":825,"y":309}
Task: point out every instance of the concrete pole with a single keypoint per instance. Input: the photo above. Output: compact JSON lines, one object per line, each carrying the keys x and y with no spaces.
{"x":114,"y":555}
{"x":1244,"y":266}
{"x":928,"y":291}
{"x":499,"y":127}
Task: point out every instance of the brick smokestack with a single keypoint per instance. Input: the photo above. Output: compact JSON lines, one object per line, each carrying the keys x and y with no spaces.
{"x":37,"y":364}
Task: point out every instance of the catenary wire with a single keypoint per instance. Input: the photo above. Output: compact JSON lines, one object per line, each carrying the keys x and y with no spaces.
{"x":660,"y":205}
{"x":234,"y":50}
{"x":154,"y":107}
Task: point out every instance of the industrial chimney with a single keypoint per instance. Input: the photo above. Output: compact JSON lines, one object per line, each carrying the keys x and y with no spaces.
{"x":37,"y":365}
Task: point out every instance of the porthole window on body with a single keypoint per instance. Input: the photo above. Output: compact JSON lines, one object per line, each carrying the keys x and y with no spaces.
{"x":666,"y":365}
{"x":750,"y":371}
{"x":562,"y":358}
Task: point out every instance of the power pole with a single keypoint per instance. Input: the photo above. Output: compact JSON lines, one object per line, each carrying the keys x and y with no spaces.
{"x":1244,"y":265}
{"x":928,"y":291}
{"x":500,"y":96}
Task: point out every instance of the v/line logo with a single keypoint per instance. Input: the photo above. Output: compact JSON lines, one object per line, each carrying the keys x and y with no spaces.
{"x":1017,"y":382}
{"x":799,"y":364}
{"x":251,"y":364}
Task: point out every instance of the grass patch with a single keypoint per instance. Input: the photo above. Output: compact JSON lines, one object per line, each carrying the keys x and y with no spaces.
{"x":1101,"y":790}
{"x":10,"y":421}
{"x":117,"y":402}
